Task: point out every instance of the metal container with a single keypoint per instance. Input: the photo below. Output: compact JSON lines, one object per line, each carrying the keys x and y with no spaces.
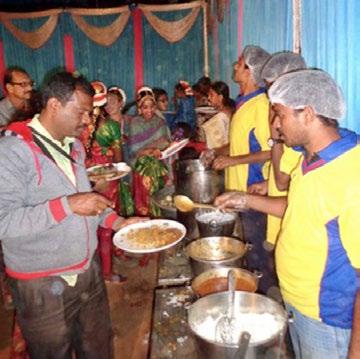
{"x":215,"y":252}
{"x":216,"y":280}
{"x":215,"y":223}
{"x":263,"y":318}
{"x":194,"y":180}
{"x":164,"y":200}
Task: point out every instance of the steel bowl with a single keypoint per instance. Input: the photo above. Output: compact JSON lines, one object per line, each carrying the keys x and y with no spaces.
{"x":266,"y":336}
{"x":215,"y":252}
{"x":216,"y":280}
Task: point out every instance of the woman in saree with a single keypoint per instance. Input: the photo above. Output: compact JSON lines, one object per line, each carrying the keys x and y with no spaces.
{"x":217,"y":127}
{"x":147,"y":135}
{"x":102,"y":141}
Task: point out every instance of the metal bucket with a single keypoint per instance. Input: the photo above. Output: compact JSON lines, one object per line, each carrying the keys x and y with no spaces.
{"x":215,"y":252}
{"x":263,"y":318}
{"x":199,"y":183}
{"x":215,"y":223}
{"x":216,"y":280}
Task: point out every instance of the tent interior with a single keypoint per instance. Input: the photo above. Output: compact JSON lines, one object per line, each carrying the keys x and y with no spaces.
{"x":324,"y":32}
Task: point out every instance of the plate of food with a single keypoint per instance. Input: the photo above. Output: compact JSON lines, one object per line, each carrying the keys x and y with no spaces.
{"x":149,"y":237}
{"x":174,"y":148}
{"x":108,"y":171}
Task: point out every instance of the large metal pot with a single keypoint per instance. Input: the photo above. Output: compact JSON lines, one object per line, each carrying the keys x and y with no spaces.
{"x":164,"y":200}
{"x":263,"y":318}
{"x":215,"y":252}
{"x":194,"y":180}
{"x":215,"y":223}
{"x":216,"y":280}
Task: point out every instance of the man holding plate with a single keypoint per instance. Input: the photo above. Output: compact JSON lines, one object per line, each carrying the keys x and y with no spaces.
{"x":48,"y":220}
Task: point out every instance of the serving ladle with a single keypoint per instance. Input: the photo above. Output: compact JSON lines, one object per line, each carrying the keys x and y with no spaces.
{"x":185,"y":204}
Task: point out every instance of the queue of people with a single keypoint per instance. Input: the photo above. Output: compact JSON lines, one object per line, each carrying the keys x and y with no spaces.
{"x":282,"y":151}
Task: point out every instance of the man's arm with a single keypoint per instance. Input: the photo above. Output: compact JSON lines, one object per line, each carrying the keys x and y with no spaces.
{"x":241,"y":201}
{"x":282,"y":179}
{"x":222,"y":162}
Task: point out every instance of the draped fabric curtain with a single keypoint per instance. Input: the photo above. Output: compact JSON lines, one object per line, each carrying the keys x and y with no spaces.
{"x":37,"y":62}
{"x":103,"y":42}
{"x":166,"y":63}
{"x":330,"y":32}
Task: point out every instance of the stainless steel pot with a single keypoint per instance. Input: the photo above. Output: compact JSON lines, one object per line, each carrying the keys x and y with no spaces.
{"x":194,"y":180}
{"x":215,"y":223}
{"x":263,"y":318}
{"x":216,"y":280}
{"x":164,"y":200}
{"x":215,"y":252}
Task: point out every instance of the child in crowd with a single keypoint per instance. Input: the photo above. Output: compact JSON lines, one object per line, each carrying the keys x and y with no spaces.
{"x":162,"y":103}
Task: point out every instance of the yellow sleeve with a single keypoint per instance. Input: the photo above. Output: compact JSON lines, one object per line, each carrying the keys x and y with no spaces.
{"x":262,"y":130}
{"x":349,"y":230}
{"x":289,"y":160}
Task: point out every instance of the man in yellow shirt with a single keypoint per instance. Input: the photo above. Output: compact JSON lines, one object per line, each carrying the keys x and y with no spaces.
{"x":317,"y":252}
{"x":244,"y":158}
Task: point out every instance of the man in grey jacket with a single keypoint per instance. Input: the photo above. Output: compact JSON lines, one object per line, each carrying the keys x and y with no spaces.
{"x":48,"y":221}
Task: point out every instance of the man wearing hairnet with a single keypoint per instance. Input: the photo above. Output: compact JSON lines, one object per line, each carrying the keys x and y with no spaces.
{"x":283,"y":159}
{"x":244,"y":158}
{"x":317,"y":252}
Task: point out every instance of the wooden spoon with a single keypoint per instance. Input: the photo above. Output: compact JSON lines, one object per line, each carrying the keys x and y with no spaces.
{"x":185,"y":204}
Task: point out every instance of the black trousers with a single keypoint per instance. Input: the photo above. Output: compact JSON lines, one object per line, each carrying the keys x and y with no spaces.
{"x":57,"y":319}
{"x":260,"y":257}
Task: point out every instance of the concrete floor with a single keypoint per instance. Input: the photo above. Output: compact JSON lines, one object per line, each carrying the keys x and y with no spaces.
{"x":131,"y":305}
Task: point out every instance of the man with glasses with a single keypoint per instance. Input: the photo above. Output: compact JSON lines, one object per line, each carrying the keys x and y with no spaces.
{"x":18,"y":85}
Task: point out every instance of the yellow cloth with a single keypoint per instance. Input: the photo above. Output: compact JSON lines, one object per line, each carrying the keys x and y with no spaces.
{"x":288,"y":162}
{"x":249,"y":121}
{"x":318,"y":246}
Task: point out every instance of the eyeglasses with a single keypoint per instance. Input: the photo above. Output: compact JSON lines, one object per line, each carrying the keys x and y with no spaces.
{"x":24,"y":84}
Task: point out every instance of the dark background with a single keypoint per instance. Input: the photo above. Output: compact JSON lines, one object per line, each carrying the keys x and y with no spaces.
{"x":36,"y":5}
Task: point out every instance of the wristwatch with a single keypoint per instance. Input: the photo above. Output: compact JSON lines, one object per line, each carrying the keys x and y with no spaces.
{"x":273,"y":141}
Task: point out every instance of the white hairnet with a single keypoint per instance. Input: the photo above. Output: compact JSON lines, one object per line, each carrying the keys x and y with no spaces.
{"x":281,"y":63}
{"x":255,"y":58}
{"x":313,"y":88}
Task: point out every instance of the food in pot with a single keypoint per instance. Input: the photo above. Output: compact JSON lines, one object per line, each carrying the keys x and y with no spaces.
{"x":104,"y":172}
{"x":260,"y":326}
{"x":215,"y":250}
{"x":220,"y":284}
{"x":215,"y":217}
{"x":153,"y":237}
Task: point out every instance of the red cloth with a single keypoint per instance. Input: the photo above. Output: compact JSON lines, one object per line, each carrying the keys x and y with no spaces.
{"x":138,"y":49}
{"x":69,"y":53}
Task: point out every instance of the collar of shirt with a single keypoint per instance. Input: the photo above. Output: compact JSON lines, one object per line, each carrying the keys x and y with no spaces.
{"x":36,"y":125}
{"x":241,"y":99}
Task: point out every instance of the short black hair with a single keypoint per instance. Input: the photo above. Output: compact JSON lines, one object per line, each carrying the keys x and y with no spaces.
{"x":8,"y":75}
{"x":159,"y":92}
{"x":62,"y":85}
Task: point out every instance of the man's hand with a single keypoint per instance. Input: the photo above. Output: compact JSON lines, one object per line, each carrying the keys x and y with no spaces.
{"x":260,"y":188}
{"x":125,"y":222}
{"x":207,"y":157}
{"x":88,"y":203}
{"x":222,"y":162}
{"x":232,"y":201}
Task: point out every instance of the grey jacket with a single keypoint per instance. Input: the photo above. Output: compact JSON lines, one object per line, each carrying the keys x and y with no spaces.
{"x":39,"y":233}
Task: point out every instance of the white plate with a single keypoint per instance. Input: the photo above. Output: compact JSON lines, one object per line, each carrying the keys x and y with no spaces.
{"x":174,"y":148}
{"x":120,"y":166}
{"x":121,"y":237}
{"x":206,"y":110}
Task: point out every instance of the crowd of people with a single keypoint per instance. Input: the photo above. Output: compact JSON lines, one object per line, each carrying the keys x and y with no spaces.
{"x":279,"y":144}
